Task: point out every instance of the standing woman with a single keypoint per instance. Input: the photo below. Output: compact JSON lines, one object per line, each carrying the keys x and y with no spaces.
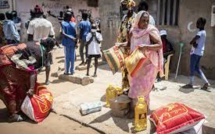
{"x":145,"y":37}
{"x":2,"y":36}
{"x":122,"y":38}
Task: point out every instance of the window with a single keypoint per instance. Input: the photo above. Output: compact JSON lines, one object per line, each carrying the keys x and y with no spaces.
{"x":168,"y":12}
{"x":93,"y":3}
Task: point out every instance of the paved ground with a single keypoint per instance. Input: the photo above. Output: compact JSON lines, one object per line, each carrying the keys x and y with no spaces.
{"x":69,"y":96}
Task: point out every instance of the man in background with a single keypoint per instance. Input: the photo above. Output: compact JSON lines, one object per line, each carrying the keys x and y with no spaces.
{"x":40,"y":28}
{"x":11,"y":34}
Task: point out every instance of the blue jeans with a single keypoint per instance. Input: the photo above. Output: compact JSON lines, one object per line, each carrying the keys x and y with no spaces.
{"x":69,"y":59}
{"x":81,"y":51}
{"x":195,"y":65}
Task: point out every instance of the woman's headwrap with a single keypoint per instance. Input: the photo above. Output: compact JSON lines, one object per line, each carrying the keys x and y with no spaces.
{"x":137,"y":19}
{"x":128,"y":3}
{"x":153,"y":31}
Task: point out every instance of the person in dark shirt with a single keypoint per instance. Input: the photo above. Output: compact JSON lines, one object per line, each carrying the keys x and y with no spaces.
{"x":167,"y":46}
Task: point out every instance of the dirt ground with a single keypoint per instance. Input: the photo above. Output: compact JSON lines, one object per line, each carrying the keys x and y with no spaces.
{"x":54,"y":123}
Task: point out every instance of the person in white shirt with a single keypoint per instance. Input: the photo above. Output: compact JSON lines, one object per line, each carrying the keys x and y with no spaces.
{"x":197,"y":51}
{"x":93,"y":40}
{"x":38,"y":29}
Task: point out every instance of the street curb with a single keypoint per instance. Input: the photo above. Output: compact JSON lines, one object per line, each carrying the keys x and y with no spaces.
{"x":83,"y":123}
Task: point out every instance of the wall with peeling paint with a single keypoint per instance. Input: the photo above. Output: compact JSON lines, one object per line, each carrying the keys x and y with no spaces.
{"x":55,"y":6}
{"x":189,"y":12}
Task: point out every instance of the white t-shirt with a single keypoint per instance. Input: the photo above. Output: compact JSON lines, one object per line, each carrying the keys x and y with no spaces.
{"x":201,"y":44}
{"x":40,"y":28}
{"x":94,"y":46}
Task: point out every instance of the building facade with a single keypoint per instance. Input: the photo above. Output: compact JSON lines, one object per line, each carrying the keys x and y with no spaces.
{"x":178,"y":17}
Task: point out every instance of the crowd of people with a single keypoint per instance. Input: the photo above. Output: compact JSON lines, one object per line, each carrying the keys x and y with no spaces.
{"x":137,"y":30}
{"x":25,"y":60}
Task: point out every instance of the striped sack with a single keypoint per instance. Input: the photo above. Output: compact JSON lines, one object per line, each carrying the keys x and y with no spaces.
{"x":8,"y":51}
{"x":114,"y":58}
{"x":134,"y":61}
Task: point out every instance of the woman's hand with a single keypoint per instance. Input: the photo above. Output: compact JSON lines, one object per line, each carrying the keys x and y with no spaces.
{"x":30,"y":92}
{"x":123,"y":44}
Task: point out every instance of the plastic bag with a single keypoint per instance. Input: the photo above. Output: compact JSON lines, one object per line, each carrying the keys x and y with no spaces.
{"x":38,"y":106}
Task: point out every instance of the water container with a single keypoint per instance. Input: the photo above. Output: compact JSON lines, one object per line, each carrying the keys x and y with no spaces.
{"x":112,"y":92}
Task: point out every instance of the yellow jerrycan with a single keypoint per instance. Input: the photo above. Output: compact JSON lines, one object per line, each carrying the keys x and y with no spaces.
{"x":140,"y":117}
{"x":112,"y":92}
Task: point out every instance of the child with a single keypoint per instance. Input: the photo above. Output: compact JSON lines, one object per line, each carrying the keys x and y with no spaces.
{"x":197,"y":51}
{"x":93,"y":40}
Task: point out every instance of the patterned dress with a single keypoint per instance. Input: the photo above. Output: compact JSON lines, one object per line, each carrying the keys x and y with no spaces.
{"x":15,"y":82}
{"x":141,"y":83}
{"x":123,"y":37}
{"x":2,"y":37}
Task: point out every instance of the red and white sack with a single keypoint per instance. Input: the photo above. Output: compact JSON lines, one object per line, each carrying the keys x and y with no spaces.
{"x":38,"y":106}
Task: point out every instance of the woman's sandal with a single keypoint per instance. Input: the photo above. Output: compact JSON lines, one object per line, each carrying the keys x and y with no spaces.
{"x":15,"y":118}
{"x":125,"y":92}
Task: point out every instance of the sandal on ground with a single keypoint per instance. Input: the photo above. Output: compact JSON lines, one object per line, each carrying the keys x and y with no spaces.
{"x":125,"y":92}
{"x":130,"y":115}
{"x":15,"y":118}
{"x":187,"y":86}
{"x":66,"y":74}
{"x":205,"y":86}
{"x":47,"y":82}
{"x":94,"y":75}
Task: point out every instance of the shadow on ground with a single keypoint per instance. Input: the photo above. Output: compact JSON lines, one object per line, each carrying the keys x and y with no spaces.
{"x":122,"y":124}
{"x":4,"y":115}
{"x":104,"y":67}
{"x":57,"y":81}
{"x":61,"y":61}
{"x":103,"y":98}
{"x":60,"y":57}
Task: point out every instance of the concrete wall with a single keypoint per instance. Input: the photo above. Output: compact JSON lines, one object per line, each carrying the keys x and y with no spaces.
{"x":110,"y":21}
{"x":55,"y":6}
{"x":11,"y":6}
{"x":108,"y":11}
{"x":189,"y":12}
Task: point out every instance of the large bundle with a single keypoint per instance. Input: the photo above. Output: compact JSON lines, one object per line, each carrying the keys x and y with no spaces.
{"x":38,"y":106}
{"x":135,"y":61}
{"x":115,"y":58}
{"x":175,"y":118}
{"x":8,"y":51}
